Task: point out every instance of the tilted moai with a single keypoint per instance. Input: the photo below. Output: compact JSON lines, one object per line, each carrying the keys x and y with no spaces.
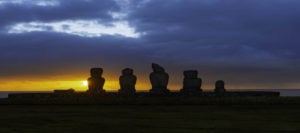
{"x":127,"y":81}
{"x":191,"y":82}
{"x":96,"y":81}
{"x":159,"y":80}
{"x":220,"y":86}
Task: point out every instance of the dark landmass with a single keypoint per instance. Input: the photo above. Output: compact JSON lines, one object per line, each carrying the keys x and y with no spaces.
{"x":150,"y":119}
{"x":144,"y":98}
{"x":206,"y":112}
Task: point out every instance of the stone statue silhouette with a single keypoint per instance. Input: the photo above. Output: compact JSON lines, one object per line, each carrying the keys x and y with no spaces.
{"x":159,"y":80}
{"x":191,"y":82}
{"x":96,"y":82}
{"x":127,"y":81}
{"x":220,"y":87}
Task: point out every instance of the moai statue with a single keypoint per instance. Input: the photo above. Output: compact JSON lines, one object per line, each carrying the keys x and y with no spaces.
{"x":127,"y":82}
{"x":220,"y":87}
{"x":96,"y":82}
{"x":159,"y":80}
{"x":191,"y":82}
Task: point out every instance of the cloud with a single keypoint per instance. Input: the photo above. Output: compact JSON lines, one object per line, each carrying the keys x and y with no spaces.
{"x":30,"y":2}
{"x":29,"y":11}
{"x":50,"y":53}
{"x":84,"y":28}
{"x":226,"y":29}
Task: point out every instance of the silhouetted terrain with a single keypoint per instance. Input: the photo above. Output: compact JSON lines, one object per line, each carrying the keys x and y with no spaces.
{"x":158,"y":119}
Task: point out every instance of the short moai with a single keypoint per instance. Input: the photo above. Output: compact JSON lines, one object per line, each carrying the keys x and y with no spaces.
{"x":159,"y":80}
{"x":220,"y":87}
{"x":96,"y":81}
{"x":191,"y":83}
{"x":127,"y":82}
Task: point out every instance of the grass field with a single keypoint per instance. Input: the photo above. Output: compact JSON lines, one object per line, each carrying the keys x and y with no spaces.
{"x":151,"y":118}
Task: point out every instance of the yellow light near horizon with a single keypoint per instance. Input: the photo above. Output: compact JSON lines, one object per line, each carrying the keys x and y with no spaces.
{"x":85,"y":83}
{"x":78,"y":84}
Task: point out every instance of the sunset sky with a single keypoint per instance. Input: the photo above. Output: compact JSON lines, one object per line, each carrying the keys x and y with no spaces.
{"x":52,"y":44}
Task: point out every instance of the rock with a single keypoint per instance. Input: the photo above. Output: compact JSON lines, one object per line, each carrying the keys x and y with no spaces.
{"x":127,"y":82}
{"x":220,"y":87}
{"x":69,"y":91}
{"x":96,"y":82}
{"x":191,"y":83}
{"x":64,"y":93}
{"x":159,"y":80}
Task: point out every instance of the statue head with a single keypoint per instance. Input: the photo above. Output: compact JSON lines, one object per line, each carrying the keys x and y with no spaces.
{"x":191,"y":74}
{"x":127,"y":71}
{"x":220,"y":84}
{"x":96,"y":72}
{"x":157,"y":68}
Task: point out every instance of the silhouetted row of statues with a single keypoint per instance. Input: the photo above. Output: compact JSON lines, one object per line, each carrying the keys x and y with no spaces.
{"x":159,"y":80}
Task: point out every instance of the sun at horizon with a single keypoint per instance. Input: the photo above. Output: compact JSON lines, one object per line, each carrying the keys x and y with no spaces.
{"x":85,"y":83}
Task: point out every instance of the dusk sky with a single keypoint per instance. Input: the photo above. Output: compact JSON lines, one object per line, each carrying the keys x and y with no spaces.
{"x":52,"y":44}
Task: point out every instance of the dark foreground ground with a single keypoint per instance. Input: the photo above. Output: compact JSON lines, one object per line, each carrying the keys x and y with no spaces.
{"x":150,"y":118}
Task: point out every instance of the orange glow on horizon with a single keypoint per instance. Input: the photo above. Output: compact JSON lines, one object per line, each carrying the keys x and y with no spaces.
{"x":50,"y":85}
{"x":110,"y":85}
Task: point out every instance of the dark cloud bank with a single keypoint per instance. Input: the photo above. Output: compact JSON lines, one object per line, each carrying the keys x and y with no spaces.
{"x":243,"y":42}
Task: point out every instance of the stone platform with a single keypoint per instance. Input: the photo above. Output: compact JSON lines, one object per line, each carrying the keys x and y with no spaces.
{"x":68,"y":93}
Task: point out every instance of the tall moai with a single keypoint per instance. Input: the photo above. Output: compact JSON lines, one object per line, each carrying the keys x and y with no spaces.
{"x":159,"y":80}
{"x":220,"y":87}
{"x":127,"y":82}
{"x":191,"y":82}
{"x":96,"y":81}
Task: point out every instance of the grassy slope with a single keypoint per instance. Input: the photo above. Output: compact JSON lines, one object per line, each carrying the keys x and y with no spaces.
{"x":176,"y":118}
